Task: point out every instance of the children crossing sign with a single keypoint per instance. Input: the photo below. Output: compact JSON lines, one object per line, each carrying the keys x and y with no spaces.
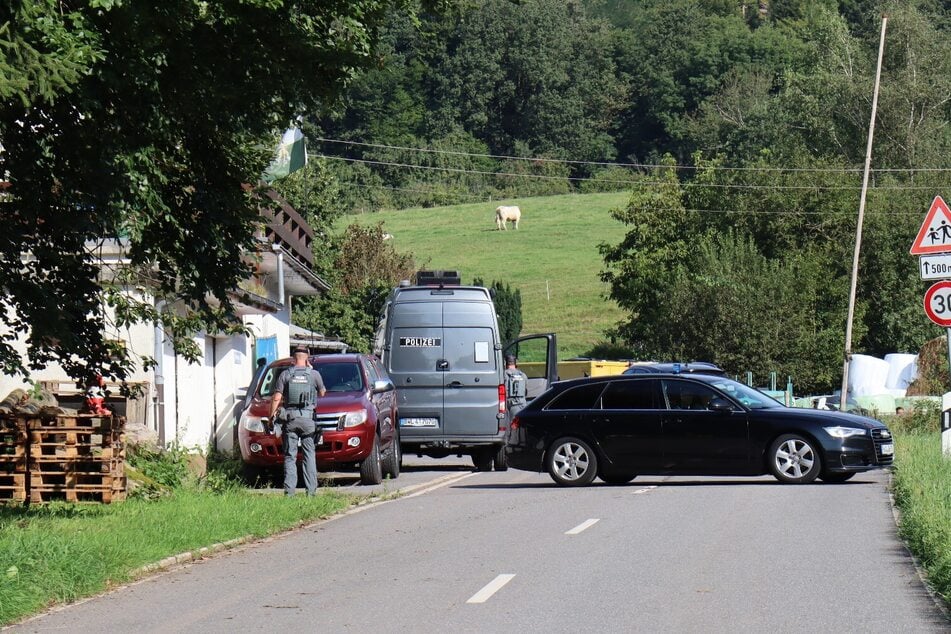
{"x":935,"y":233}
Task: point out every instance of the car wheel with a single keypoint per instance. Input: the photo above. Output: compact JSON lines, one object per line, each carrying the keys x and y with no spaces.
{"x":794,"y":459}
{"x":371,"y":469}
{"x":483,"y":457}
{"x":571,"y":462}
{"x":613,"y":477}
{"x":393,"y":458}
{"x":501,"y":460}
{"x":834,"y":478}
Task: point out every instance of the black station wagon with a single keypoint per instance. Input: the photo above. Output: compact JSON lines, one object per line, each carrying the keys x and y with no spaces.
{"x":617,"y":427}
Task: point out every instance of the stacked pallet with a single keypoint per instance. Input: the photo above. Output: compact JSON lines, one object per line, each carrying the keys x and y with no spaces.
{"x":76,"y":458}
{"x":13,"y":443}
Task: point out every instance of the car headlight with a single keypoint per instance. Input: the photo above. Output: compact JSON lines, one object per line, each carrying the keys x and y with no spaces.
{"x":355,"y":418}
{"x":844,"y":432}
{"x":255,"y":424}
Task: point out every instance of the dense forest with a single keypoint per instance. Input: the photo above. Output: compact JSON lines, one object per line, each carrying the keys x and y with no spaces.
{"x":739,"y":127}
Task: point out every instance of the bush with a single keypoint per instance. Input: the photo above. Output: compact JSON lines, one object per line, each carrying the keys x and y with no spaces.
{"x":923,"y":419}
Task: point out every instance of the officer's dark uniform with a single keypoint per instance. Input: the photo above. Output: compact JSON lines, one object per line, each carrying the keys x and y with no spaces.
{"x":299,"y":428}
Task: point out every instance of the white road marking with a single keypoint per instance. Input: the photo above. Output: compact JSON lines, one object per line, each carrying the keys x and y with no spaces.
{"x":432,"y":485}
{"x":582,"y":526}
{"x":491,"y":588}
{"x":644,"y":490}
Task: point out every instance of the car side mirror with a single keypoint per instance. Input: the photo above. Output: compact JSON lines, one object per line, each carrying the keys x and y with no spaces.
{"x":720,"y":404}
{"x":383,"y":385}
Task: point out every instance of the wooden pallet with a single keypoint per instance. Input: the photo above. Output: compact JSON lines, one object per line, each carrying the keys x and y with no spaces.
{"x":64,"y":480}
{"x":77,"y":494}
{"x":78,"y":421}
{"x":76,"y":458}
{"x":76,"y":444}
{"x":12,"y":487}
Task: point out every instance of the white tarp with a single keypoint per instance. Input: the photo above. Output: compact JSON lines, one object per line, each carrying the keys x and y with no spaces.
{"x":902,"y":369}
{"x":867,"y":375}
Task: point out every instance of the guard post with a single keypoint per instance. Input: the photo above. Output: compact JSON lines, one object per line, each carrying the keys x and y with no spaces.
{"x":946,"y":430}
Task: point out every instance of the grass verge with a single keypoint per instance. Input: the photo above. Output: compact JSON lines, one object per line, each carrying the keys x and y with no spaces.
{"x":922,"y":485}
{"x":61,"y":552}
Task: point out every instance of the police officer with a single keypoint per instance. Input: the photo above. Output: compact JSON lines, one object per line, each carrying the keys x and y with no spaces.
{"x":516,"y":384}
{"x":295,"y":395}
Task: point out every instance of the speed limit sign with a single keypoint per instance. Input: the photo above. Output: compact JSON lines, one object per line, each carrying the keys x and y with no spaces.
{"x":938,"y":303}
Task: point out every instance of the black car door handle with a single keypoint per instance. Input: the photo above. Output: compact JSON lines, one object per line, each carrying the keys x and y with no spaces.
{"x":455,"y":384}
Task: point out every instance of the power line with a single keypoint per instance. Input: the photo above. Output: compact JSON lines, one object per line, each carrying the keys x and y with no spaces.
{"x":838,"y":170}
{"x":757,"y":212}
{"x":458,"y":170}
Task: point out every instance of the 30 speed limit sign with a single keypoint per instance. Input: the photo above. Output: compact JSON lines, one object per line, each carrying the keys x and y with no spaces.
{"x":938,"y":303}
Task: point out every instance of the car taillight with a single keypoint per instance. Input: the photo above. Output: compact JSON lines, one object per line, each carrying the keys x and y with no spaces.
{"x":514,"y":424}
{"x":501,"y":398}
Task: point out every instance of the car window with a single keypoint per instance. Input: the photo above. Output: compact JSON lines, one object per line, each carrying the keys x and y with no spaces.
{"x":371,"y":370}
{"x":341,"y":377}
{"x":581,"y":397}
{"x":629,"y":395}
{"x":748,"y":396}
{"x":688,"y":395}
{"x":270,"y":378}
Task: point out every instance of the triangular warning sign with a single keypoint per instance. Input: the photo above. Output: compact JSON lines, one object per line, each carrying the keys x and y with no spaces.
{"x":935,"y":233}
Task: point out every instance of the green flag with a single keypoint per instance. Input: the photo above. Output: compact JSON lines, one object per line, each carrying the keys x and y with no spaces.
{"x":291,"y":156}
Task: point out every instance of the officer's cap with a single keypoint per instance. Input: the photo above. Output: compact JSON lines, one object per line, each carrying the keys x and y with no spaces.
{"x":509,"y":358}
{"x":303,"y":349}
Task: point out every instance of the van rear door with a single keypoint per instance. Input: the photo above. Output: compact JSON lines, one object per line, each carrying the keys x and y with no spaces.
{"x":472,"y":372}
{"x":413,"y":359}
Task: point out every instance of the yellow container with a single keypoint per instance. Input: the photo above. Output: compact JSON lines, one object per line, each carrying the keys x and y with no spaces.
{"x":575,"y":369}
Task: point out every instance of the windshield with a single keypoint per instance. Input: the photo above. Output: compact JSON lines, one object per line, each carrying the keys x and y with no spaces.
{"x":338,"y":377}
{"x":748,"y":396}
{"x":341,"y":377}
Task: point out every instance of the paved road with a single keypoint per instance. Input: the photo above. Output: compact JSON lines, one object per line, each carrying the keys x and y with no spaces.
{"x":504,"y":552}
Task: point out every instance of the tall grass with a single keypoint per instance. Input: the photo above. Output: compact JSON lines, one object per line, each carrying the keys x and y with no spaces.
{"x":61,"y":552}
{"x":922,"y":484}
{"x":552,"y":259}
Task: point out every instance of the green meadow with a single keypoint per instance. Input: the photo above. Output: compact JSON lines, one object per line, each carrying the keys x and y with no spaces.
{"x":553,"y":258}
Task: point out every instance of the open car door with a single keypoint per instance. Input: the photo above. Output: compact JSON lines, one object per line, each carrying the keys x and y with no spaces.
{"x":538,"y":358}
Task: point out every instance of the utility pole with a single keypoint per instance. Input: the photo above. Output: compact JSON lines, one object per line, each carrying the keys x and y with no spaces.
{"x":858,"y":229}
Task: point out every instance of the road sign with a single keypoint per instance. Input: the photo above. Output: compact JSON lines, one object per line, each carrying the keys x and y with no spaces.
{"x":938,"y":303}
{"x":935,"y":233}
{"x":935,"y":267}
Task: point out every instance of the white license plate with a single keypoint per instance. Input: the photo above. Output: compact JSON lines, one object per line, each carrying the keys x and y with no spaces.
{"x":888,"y":449}
{"x":419,"y":422}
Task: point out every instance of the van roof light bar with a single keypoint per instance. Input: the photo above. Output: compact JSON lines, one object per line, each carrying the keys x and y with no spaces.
{"x":438,"y":278}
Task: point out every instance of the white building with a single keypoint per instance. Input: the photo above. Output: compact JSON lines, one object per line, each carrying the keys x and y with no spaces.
{"x":194,"y":403}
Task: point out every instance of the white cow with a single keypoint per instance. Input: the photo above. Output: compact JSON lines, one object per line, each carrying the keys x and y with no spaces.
{"x":505,"y":214}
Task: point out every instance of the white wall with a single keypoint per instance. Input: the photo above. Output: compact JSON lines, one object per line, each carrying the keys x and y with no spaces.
{"x":198,"y":399}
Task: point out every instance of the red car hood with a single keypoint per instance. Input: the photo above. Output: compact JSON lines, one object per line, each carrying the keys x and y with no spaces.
{"x":330,"y":402}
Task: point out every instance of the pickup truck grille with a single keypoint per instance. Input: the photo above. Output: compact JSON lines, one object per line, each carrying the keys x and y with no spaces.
{"x":328,"y":423}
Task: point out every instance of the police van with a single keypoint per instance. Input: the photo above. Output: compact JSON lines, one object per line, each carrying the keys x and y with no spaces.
{"x":439,"y":341}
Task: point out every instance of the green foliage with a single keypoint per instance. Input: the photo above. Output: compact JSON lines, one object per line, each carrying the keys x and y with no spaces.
{"x":508,"y":308}
{"x":366,"y":267}
{"x":136,"y":125}
{"x":168,"y":469}
{"x":922,"y":485}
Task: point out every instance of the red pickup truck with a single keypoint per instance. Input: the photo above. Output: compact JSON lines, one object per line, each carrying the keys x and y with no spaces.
{"x":356,"y":419}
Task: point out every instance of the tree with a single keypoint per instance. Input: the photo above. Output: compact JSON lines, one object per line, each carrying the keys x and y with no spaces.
{"x":508,"y":308}
{"x":365,"y":269}
{"x":141,"y":122}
